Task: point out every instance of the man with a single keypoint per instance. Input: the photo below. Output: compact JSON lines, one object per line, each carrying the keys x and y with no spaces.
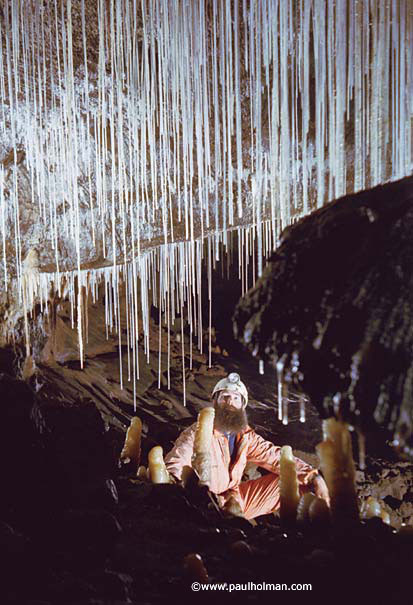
{"x":234,"y":444}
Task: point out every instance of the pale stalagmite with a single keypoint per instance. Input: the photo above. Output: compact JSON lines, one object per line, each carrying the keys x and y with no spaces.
{"x":289,"y":494}
{"x":157,"y":468}
{"x":201,"y":460}
{"x":374,"y":508}
{"x":385,"y":517}
{"x":337,"y":464}
{"x":131,"y":451}
{"x":142,"y":473}
{"x":304,"y":507}
{"x":371,"y":508}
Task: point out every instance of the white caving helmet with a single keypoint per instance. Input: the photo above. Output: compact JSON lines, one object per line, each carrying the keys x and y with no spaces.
{"x":232,"y":383}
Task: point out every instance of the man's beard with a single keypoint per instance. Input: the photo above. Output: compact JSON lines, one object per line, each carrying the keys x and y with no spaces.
{"x":229,"y":421}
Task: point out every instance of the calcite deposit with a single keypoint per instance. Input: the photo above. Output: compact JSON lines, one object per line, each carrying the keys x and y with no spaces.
{"x":332,"y":311}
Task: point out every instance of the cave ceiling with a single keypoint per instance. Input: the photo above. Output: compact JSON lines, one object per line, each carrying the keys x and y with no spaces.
{"x":135,"y":135}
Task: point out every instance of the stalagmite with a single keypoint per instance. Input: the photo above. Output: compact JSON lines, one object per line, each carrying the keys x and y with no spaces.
{"x":313,"y":510}
{"x":303,"y":508}
{"x":157,"y":469}
{"x":131,"y":451}
{"x":142,"y":473}
{"x":201,"y":460}
{"x":337,"y":465}
{"x":289,"y":494}
{"x":371,"y":508}
{"x":241,"y":549}
{"x":385,"y":517}
{"x":195,"y":568}
{"x":361,"y":440}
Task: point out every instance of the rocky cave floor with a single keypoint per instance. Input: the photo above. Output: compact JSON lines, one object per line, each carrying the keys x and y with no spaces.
{"x":75,"y":528}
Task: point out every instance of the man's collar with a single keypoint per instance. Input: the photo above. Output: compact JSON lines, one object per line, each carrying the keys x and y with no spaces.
{"x":247,"y":429}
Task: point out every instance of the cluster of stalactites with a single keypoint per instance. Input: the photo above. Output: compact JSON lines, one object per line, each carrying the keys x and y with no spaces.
{"x":196,"y":115}
{"x":170,"y":277}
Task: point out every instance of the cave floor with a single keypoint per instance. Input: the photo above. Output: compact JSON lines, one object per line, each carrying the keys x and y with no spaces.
{"x":134,"y":552}
{"x":125,"y":541}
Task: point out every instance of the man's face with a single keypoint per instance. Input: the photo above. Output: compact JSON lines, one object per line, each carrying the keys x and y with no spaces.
{"x":231,"y":400}
{"x":230,"y":415}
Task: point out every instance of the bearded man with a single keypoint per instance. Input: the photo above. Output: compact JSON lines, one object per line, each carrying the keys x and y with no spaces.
{"x":234,"y":445}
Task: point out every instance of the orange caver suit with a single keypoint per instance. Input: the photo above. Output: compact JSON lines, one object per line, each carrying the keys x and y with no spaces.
{"x":255,"y":497}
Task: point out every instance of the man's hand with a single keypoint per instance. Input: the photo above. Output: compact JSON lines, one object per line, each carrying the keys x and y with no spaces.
{"x":320,"y":488}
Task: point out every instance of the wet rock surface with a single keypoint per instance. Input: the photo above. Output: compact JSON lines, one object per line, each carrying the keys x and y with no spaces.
{"x":392,"y":486}
{"x":333,"y":308}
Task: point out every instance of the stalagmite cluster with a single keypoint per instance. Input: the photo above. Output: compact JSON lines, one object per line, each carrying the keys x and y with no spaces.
{"x":309,"y":510}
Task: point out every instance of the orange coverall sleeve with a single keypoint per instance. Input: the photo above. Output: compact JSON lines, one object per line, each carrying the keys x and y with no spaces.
{"x":181,"y":453}
{"x":267,"y":455}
